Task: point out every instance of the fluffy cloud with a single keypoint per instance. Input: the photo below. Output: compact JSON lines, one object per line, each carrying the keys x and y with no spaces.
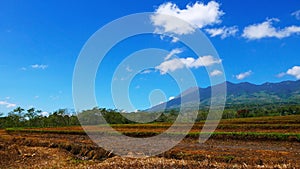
{"x":171,"y":98}
{"x":294,"y":71}
{"x":216,"y":73}
{"x":173,"y":52}
{"x":224,"y":32}
{"x":296,"y":14}
{"x":179,"y":63}
{"x":243,"y":75}
{"x":7,"y":104}
{"x":37,"y":66}
{"x":267,"y":30}
{"x":198,"y":15}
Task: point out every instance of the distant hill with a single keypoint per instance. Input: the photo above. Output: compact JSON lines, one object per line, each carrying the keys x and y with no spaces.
{"x":286,"y":92}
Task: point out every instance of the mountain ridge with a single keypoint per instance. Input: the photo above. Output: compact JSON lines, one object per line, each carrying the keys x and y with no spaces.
{"x":239,"y":93}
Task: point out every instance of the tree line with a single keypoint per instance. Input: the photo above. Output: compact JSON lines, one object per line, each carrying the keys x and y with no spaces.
{"x":20,"y":117}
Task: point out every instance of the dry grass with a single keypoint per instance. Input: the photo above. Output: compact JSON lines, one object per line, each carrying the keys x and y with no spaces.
{"x":53,"y":148}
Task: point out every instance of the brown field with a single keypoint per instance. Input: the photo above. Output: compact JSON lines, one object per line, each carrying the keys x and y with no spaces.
{"x":271,"y":142}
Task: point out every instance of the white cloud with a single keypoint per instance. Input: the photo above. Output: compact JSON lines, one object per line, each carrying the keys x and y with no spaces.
{"x":267,"y":30}
{"x":174,"y":39}
{"x":198,"y":15}
{"x":171,"y":98}
{"x":216,"y":73}
{"x":170,"y":65}
{"x":205,"y":61}
{"x":7,"y":104}
{"x":280,"y":75}
{"x":296,"y":14}
{"x":36,"y":97}
{"x":173,"y":52}
{"x":224,"y":32}
{"x":37,"y":66}
{"x":294,"y":71}
{"x":243,"y":75}
{"x":146,"y":71}
{"x":179,"y":63}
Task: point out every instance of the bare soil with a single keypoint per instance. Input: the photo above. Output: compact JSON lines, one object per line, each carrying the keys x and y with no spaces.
{"x":36,"y":150}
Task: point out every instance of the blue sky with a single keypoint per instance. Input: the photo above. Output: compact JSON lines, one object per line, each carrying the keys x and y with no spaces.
{"x":257,"y":42}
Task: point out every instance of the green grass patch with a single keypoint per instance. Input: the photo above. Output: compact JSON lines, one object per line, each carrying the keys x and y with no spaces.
{"x":214,"y":135}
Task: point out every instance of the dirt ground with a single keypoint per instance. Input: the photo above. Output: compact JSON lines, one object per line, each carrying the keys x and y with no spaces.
{"x":28,"y":150}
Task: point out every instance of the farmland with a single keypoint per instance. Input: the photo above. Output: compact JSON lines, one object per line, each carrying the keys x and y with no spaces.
{"x":272,"y":142}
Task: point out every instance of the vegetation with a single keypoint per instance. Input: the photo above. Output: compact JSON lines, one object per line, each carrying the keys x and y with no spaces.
{"x":34,"y":118}
{"x":253,"y":141}
{"x":20,"y":117}
{"x":215,"y":135}
{"x":280,"y":128}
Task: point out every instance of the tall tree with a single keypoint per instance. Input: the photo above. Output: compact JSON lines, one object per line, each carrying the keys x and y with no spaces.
{"x":31,"y":114}
{"x":19,"y":117}
{"x":19,"y":110}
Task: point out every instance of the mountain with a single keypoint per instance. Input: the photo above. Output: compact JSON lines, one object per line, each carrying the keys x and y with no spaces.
{"x":241,"y":93}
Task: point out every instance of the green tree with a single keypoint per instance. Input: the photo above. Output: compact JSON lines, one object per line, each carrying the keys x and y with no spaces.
{"x":20,"y":111}
{"x":31,"y":114}
{"x":18,"y":118}
{"x":13,"y":120}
